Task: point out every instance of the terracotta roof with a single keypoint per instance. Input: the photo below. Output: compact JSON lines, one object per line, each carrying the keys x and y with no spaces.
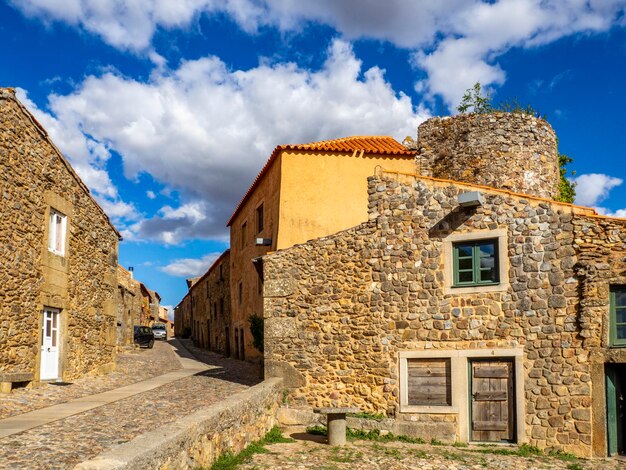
{"x":373,"y":144}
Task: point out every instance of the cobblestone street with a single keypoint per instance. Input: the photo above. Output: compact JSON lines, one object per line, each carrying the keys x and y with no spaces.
{"x":62,"y":444}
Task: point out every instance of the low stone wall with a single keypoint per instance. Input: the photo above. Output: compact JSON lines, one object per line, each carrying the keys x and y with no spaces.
{"x":197,"y":440}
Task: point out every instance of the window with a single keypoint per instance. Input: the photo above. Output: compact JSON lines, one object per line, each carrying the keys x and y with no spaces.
{"x":429,"y":382}
{"x":244,"y":229}
{"x":476,"y":263}
{"x":240,"y":293}
{"x":618,"y":316}
{"x":56,"y":235}
{"x":259,"y":219}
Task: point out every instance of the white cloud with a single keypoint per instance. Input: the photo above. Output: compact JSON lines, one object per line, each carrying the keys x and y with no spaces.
{"x":150,"y":195}
{"x":87,"y":156}
{"x":206,"y":131}
{"x":593,"y":188}
{"x":190,"y":267}
{"x":457,"y":42}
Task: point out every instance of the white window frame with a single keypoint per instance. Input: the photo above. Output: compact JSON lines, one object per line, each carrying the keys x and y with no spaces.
{"x":55,"y":245}
{"x":503,"y":263}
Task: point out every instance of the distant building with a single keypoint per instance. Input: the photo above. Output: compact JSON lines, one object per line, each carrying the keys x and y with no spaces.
{"x":205,"y":311}
{"x":58,"y":269}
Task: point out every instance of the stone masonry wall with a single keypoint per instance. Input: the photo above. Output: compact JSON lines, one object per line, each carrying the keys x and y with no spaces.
{"x":210,"y":300}
{"x":338,"y":310}
{"x":34,"y":177}
{"x":198,"y":440}
{"x":512,"y":151}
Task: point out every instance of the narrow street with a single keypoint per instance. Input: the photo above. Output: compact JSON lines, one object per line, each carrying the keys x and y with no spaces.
{"x":135,"y":403}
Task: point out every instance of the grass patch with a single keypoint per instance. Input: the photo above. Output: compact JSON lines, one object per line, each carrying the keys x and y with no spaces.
{"x":420,"y":454}
{"x":564,"y":456}
{"x":453,"y":456}
{"x":366,"y":415}
{"x":459,"y":444}
{"x":575,"y":466}
{"x":317,"y":430}
{"x":436,"y":442}
{"x":525,"y":450}
{"x":373,"y":435}
{"x":229,"y":461}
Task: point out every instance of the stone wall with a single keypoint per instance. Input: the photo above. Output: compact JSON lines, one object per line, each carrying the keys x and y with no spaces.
{"x":339,"y":310}
{"x":197,"y":440}
{"x":35,"y":177}
{"x":512,"y":151}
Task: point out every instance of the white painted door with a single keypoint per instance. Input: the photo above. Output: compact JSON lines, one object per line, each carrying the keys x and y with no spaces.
{"x":50,"y":345}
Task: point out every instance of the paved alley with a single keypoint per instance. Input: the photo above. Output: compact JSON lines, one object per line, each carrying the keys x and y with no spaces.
{"x":145,"y":404}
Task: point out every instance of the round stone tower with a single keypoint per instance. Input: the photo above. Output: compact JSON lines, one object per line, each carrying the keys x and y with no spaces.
{"x":511,"y":151}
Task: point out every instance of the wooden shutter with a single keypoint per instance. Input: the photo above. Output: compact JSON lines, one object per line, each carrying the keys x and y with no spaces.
{"x":429,"y":382}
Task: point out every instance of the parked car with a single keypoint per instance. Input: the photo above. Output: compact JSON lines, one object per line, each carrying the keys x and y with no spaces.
{"x":143,"y":336}
{"x":159,"y":331}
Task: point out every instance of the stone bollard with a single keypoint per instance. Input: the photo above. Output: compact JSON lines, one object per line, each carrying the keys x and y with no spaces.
{"x":336,"y":423}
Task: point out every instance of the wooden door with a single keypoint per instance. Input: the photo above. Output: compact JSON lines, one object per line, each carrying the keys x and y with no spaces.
{"x":492,"y":401}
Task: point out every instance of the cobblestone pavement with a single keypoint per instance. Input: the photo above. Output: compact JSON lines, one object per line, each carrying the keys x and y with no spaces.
{"x":310,"y":452}
{"x":64,"y":443}
{"x":132,"y":366}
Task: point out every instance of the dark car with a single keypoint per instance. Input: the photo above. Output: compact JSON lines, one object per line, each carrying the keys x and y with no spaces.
{"x":144,"y":336}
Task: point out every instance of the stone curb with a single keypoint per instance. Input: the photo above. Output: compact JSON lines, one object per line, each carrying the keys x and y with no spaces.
{"x":154,"y":448}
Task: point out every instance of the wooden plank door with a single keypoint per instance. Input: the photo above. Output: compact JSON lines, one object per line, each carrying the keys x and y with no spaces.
{"x":492,"y":401}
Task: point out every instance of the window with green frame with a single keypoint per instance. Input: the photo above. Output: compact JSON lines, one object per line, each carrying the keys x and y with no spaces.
{"x":476,"y":263}
{"x":618,"y":316}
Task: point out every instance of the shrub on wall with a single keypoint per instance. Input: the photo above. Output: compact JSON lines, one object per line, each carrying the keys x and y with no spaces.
{"x":256,"y":328}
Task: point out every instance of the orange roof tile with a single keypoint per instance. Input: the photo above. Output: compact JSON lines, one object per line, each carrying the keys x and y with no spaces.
{"x":376,"y":144}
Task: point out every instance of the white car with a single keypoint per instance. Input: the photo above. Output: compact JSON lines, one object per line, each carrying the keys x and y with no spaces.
{"x":159,"y":331}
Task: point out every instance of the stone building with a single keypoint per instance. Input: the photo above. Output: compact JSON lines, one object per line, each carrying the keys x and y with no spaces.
{"x":304,"y":191}
{"x":129,"y":306}
{"x":470,"y":306}
{"x":205,"y":310}
{"x":58,"y":266}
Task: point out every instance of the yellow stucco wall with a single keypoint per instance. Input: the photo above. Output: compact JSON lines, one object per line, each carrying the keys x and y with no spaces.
{"x":305,"y":195}
{"x":323,"y":193}
{"x":243,"y":250}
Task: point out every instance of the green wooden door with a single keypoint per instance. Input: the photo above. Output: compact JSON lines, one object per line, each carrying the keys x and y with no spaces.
{"x":611,"y":411}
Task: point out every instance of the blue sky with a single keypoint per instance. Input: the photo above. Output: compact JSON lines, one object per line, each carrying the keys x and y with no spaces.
{"x":168,"y":110}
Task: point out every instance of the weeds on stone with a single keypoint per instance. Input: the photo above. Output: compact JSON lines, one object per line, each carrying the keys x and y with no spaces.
{"x":420,"y":454}
{"x":436,"y":442}
{"x":459,"y":444}
{"x":229,"y":461}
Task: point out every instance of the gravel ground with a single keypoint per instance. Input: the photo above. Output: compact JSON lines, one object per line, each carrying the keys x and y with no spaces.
{"x":64,"y":443}
{"x":310,"y":452}
{"x":133,"y":366}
